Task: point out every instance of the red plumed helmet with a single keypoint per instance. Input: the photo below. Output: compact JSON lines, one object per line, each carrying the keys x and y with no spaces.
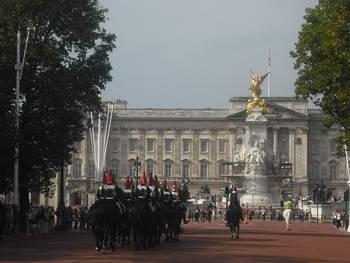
{"x":143,"y":180}
{"x":104,"y":178}
{"x":108,"y":178}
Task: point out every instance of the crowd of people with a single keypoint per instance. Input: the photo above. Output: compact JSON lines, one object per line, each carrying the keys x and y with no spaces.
{"x":42,"y":220}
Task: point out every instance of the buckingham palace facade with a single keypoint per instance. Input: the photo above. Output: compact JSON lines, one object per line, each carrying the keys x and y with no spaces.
{"x":198,"y":144}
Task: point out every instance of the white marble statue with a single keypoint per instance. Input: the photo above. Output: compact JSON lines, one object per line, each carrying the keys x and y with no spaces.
{"x":255,"y":158}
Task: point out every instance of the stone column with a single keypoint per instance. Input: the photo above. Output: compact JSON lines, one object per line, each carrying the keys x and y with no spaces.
{"x":124,"y":151}
{"x":177,"y":153}
{"x":195,"y":155}
{"x":304,"y":153}
{"x":213,"y":148}
{"x":141,"y":148}
{"x":85,"y":159}
{"x":159,"y":153}
{"x":232,"y":148}
{"x":292,"y":149}
{"x":275,"y":140}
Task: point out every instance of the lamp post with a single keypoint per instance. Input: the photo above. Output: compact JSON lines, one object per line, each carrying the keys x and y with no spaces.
{"x":285,"y":168}
{"x":137,"y":164}
{"x":347,"y":171}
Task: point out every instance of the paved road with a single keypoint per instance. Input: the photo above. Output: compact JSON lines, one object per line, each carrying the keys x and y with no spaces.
{"x":200,"y":242}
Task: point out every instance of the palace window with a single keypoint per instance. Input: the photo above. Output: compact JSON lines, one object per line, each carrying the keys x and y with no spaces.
{"x":186,"y":169}
{"x":132,"y":145}
{"x":223,"y":169}
{"x":204,"y":169}
{"x":115,"y":145}
{"x":167,"y":169}
{"x":77,"y":168}
{"x":91,"y":169}
{"x":151,"y":167}
{"x":332,"y":146}
{"x":115,"y":167}
{"x":222,"y":146}
{"x":132,"y":168}
{"x":150,"y":145}
{"x":168,"y":145}
{"x":186,"y":145}
{"x":204,"y":144}
{"x":333,"y":170}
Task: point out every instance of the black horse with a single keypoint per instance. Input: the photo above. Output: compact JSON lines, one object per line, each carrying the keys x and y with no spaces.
{"x":177,"y":216}
{"x":141,"y":220}
{"x":173,"y":214}
{"x":233,"y":216}
{"x":124,"y":230}
{"x":104,"y":217}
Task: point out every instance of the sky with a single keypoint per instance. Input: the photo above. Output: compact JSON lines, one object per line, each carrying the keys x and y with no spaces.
{"x":198,"y":53}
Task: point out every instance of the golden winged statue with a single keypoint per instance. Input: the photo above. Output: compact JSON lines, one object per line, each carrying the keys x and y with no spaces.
{"x":256,"y":101}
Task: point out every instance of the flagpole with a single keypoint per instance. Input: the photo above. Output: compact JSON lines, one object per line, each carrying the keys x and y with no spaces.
{"x":269,"y":77}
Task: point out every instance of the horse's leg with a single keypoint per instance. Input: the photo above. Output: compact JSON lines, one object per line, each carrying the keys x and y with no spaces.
{"x":128,"y":233}
{"x":136,"y":240}
{"x":166,"y":228}
{"x":97,"y":233}
{"x":104,"y":240}
{"x":232,"y":230}
{"x":237,"y":236}
{"x":113,"y":235}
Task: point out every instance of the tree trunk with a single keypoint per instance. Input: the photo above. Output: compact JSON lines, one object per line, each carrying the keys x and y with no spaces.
{"x":24,"y":205}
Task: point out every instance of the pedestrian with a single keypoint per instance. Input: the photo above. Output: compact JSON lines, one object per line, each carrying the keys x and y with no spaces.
{"x":196,"y":214}
{"x":337,"y":219}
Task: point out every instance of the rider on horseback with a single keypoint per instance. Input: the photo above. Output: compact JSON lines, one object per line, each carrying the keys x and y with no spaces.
{"x":175,"y":193}
{"x":129,"y":188}
{"x":233,"y":196}
{"x":167,"y":196}
{"x":142,"y":190}
{"x":107,"y":189}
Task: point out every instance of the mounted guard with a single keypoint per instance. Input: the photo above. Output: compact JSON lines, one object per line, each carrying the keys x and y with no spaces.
{"x":108,"y":189}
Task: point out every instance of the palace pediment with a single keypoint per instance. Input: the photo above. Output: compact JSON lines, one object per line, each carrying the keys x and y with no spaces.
{"x":274,"y":111}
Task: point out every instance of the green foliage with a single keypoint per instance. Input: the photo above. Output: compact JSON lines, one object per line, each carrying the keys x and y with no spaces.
{"x":67,"y":66}
{"x":322,"y":58}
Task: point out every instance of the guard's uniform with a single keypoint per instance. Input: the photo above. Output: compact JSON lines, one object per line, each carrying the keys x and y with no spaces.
{"x":107,"y":189}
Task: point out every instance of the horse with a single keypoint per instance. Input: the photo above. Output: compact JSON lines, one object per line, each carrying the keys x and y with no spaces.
{"x":176,"y":218}
{"x":234,"y":215}
{"x":173,"y":213}
{"x":104,"y":217}
{"x":141,"y":221}
{"x":124,"y":230}
{"x":287,"y":214}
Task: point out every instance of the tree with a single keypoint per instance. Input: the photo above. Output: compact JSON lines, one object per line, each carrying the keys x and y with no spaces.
{"x":66,"y":68}
{"x":322,"y":58}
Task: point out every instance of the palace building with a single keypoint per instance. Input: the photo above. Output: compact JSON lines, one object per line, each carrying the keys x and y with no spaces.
{"x":207,"y":147}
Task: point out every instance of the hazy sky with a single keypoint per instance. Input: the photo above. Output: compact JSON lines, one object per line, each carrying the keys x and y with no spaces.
{"x":198,"y":53}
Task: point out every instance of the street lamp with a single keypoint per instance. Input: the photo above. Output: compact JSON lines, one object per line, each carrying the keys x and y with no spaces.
{"x":284,"y":170}
{"x":347,"y":170}
{"x":137,"y":164}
